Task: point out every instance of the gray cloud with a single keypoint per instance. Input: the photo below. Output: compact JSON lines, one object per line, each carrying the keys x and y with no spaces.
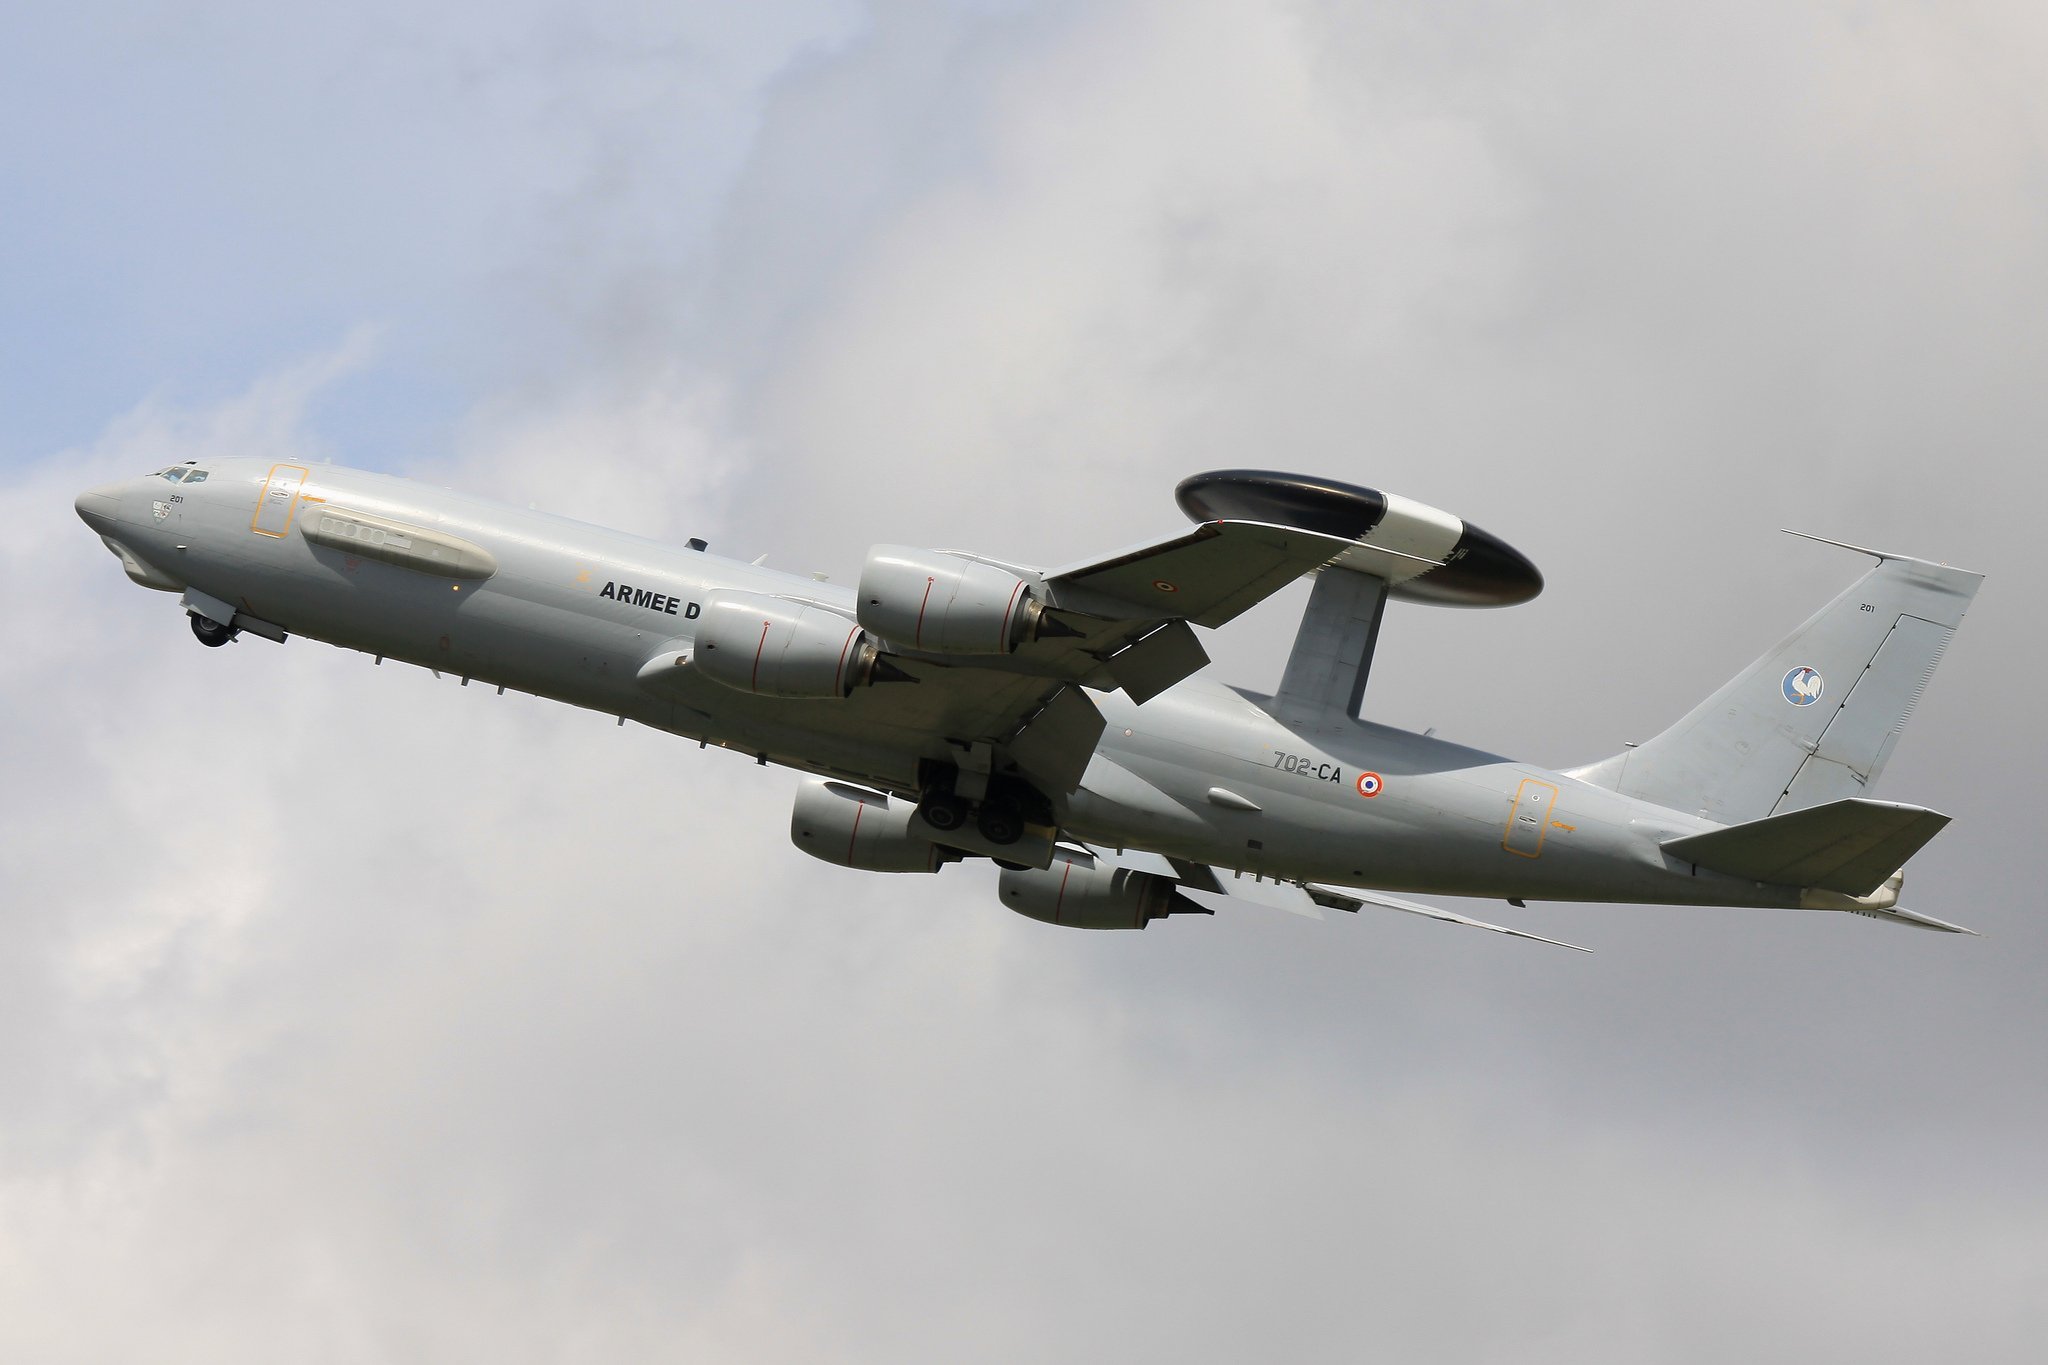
{"x":566,"y":1054}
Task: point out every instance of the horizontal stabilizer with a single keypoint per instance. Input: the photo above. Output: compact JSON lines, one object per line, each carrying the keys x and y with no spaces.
{"x":1850,"y":846}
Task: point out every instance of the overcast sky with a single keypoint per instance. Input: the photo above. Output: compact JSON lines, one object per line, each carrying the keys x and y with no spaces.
{"x":348,"y":1015}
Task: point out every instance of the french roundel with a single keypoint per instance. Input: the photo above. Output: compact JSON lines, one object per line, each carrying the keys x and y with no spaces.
{"x":1370,"y":785}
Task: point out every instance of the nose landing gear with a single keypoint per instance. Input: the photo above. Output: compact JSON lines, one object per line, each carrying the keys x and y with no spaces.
{"x":215,"y":622}
{"x":210,"y":632}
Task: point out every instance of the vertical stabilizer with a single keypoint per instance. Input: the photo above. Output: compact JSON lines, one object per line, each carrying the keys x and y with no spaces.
{"x":1815,"y":719}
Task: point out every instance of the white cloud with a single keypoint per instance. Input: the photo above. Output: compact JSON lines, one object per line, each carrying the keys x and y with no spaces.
{"x":595,"y":451}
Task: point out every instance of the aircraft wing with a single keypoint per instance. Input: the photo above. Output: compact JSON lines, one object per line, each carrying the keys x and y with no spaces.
{"x":1208,"y":575}
{"x":1207,"y":886}
{"x":1121,"y":622}
{"x":1350,"y":898}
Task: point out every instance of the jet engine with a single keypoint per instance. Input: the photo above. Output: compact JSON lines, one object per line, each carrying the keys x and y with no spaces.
{"x":1082,"y":892}
{"x":780,"y":648}
{"x":854,"y":827}
{"x":946,"y":604}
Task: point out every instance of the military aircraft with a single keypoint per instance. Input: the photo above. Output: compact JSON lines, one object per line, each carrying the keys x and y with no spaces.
{"x":954,"y":706}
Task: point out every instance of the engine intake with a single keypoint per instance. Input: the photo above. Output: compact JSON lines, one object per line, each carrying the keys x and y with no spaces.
{"x":779,"y":648}
{"x":853,"y":827}
{"x":945,"y":604}
{"x":1081,"y":892}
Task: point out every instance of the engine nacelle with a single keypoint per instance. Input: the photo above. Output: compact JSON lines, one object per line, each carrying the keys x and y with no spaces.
{"x":1080,"y":892}
{"x":779,"y":648}
{"x":944,"y":604}
{"x":854,"y":827}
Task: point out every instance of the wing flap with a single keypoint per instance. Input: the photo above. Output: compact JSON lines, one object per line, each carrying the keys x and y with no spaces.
{"x":1212,"y":890}
{"x":1054,"y":746}
{"x":1851,"y":846}
{"x":1149,"y":666}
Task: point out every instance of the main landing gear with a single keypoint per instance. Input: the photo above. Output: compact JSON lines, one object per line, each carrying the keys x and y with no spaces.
{"x":999,"y":817}
{"x":210,"y":632}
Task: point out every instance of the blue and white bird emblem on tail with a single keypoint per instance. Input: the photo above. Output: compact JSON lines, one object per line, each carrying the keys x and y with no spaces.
{"x":1803,"y":686}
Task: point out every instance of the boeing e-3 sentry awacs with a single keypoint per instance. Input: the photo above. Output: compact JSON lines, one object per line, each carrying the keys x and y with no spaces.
{"x":1056,"y":721}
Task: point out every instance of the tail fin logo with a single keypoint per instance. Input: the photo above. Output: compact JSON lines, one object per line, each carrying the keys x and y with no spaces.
{"x":1803,"y":686}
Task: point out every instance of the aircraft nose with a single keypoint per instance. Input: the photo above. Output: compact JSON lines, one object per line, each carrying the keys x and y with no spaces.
{"x":100,"y":508}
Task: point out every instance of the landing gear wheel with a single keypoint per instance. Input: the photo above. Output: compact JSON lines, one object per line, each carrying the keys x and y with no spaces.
{"x":209,"y":632}
{"x":944,"y":811}
{"x":1000,"y":824}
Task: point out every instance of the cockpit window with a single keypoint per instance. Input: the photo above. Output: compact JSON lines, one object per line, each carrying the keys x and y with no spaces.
{"x":196,"y":476}
{"x":179,"y":473}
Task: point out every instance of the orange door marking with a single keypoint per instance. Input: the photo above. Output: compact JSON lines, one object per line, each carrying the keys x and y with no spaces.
{"x":1530,"y":820}
{"x":278,"y":500}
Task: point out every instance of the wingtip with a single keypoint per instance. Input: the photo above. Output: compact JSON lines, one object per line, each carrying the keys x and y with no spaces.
{"x":1913,"y":919}
{"x":1556,"y":942}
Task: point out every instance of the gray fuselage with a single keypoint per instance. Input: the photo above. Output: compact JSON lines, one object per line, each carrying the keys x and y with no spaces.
{"x":1202,"y":772}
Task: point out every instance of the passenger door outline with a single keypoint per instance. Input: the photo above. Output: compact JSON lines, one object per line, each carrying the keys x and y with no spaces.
{"x":279,"y":500}
{"x":1529,"y":818}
